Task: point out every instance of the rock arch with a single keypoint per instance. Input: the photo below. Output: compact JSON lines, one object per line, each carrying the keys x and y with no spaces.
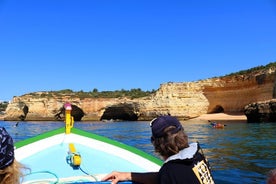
{"x":25,"y":111}
{"x":76,"y":112}
{"x":122,"y":111}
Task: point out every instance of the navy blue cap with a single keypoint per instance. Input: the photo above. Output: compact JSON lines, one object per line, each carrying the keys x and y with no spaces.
{"x":159,"y":124}
{"x":6,"y":149}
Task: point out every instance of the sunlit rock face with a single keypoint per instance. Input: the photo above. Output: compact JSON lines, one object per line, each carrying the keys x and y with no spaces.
{"x":232,"y":94}
{"x":184,"y":100}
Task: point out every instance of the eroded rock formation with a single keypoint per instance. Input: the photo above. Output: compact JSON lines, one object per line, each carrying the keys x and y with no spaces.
{"x":185,"y":100}
{"x":261,"y":111}
{"x":76,"y":112}
{"x":233,"y":93}
{"x":127,"y":111}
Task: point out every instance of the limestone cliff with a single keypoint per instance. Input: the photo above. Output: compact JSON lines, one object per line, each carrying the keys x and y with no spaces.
{"x":233,"y":93}
{"x":229,"y":94}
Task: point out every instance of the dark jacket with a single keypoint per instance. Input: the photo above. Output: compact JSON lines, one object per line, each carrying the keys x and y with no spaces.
{"x":188,"y":166}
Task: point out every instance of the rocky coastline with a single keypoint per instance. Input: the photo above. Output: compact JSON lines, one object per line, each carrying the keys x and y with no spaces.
{"x":185,"y":100}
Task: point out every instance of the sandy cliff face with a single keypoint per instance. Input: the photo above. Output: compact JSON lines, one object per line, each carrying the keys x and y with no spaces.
{"x":185,"y":100}
{"x":231,"y":94}
{"x":43,"y":108}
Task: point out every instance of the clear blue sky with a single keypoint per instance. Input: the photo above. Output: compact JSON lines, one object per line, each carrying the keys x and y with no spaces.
{"x":111,"y":45}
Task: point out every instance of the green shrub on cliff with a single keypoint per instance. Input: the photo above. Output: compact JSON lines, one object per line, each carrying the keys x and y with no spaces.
{"x":254,"y":69}
{"x":3,"y":105}
{"x":133,"y":93}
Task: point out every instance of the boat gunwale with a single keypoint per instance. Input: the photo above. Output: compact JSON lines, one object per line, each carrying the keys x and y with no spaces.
{"x":90,"y":135}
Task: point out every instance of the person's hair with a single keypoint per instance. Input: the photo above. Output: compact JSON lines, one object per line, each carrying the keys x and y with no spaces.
{"x":170,"y":143}
{"x":12,"y":174}
{"x":271,"y":177}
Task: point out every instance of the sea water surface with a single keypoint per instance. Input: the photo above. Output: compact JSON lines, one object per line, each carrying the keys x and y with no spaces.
{"x":239,"y":153}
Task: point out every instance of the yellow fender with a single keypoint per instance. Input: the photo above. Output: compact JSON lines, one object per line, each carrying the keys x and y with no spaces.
{"x":75,"y":158}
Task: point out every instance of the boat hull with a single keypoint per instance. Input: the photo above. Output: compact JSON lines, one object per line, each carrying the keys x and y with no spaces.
{"x":50,"y":157}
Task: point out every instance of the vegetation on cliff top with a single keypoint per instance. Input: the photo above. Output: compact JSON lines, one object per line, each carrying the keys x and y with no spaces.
{"x":254,"y":69}
{"x":133,"y":93}
{"x":3,"y":105}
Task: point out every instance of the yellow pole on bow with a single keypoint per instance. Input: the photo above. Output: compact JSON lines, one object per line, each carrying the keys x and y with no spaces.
{"x":69,"y":120}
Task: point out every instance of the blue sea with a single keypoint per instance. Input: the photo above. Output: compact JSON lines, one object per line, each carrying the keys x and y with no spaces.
{"x":239,"y":153}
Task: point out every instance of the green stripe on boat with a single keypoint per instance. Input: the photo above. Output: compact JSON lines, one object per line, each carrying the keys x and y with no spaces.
{"x":92,"y":136}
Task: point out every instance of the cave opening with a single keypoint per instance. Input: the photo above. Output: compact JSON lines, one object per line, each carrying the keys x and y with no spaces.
{"x":76,"y":112}
{"x":217,"y":109}
{"x":120,"y":112}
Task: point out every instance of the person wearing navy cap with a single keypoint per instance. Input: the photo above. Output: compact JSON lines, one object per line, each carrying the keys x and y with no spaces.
{"x":10,"y":169}
{"x":183,"y":162}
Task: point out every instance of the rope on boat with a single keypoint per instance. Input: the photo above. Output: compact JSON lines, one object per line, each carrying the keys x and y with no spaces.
{"x":47,"y":172}
{"x":89,"y":174}
{"x":57,"y":181}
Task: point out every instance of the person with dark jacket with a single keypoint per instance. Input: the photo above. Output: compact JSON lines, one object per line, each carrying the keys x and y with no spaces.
{"x":10,"y":169}
{"x":183,"y":162}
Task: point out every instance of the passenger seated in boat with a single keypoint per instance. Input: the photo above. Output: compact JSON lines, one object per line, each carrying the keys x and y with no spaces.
{"x":10,"y":169}
{"x":183,"y":162}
